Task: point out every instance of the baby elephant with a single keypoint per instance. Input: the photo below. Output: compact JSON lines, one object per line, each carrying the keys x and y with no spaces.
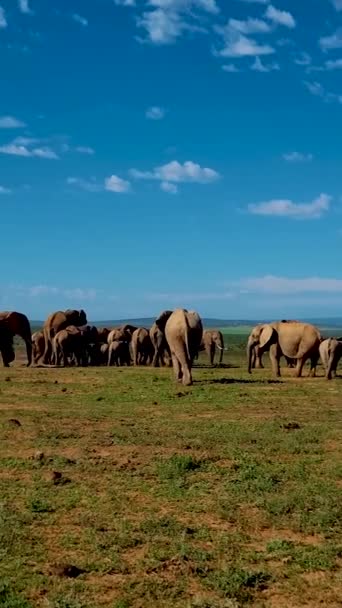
{"x":118,"y":353}
{"x":330,"y":351}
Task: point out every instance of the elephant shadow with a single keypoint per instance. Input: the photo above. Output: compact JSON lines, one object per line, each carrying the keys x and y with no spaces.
{"x":238,"y":381}
{"x":216,"y":366}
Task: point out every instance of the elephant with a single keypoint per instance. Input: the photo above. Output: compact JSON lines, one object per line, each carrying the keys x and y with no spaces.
{"x":257,"y":355}
{"x":19,"y":325}
{"x":211,"y":340}
{"x":56,"y":322}
{"x":38,"y":346}
{"x":330,"y":351}
{"x":118,"y":353}
{"x":142,"y":348}
{"x":121,"y":334}
{"x":103,"y":360}
{"x":103,"y":333}
{"x":6,"y":343}
{"x":162,"y":355}
{"x":67,"y":345}
{"x":183,"y":332}
{"x":292,"y":339}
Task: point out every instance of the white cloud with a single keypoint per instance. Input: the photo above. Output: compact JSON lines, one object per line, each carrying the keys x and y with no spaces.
{"x":13,"y":149}
{"x":303,"y":59}
{"x":334,"y":41}
{"x":255,"y":1}
{"x":337,"y":4}
{"x":280,"y":17}
{"x":231,"y":68}
{"x":24,"y":7}
{"x":85,"y":150}
{"x":168,"y":187}
{"x":316,"y":89}
{"x":238,"y":45}
{"x":10,"y":122}
{"x":116,"y":184}
{"x":3,"y":20}
{"x":259,"y":66}
{"x":169,"y":19}
{"x":88,"y":185}
{"x":37,"y":291}
{"x":284,"y":285}
{"x":187,"y":298}
{"x":155,"y":113}
{"x":125,"y":2}
{"x":4,"y":190}
{"x":297,"y":157}
{"x":176,"y":172}
{"x":79,"y":19}
{"x":250,"y":26}
{"x":287,"y":208}
{"x":335,"y":64}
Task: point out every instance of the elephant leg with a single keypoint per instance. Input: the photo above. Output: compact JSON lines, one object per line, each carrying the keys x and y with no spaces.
{"x":29,"y":352}
{"x":313,"y":364}
{"x":176,"y":368}
{"x":299,"y":367}
{"x":275,"y":359}
{"x":212,"y":354}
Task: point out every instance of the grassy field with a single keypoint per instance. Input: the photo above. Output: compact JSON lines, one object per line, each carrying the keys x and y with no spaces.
{"x":119,"y":489}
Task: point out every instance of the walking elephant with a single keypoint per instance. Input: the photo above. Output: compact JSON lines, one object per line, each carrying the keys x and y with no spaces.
{"x":183,"y":332}
{"x":142,"y":348}
{"x":19,"y":325}
{"x":211,"y":340}
{"x":162,"y":355}
{"x":38,"y":346}
{"x":330,"y":351}
{"x":6,"y":343}
{"x":258,"y":353}
{"x":56,"y":322}
{"x":118,"y":353}
{"x":292,"y":339}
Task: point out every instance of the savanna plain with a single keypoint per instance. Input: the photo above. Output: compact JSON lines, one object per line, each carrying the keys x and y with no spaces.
{"x":120,"y":489}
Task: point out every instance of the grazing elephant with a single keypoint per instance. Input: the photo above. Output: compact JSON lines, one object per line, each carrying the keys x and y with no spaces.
{"x":118,"y":353}
{"x":38,"y":346}
{"x":330,"y":351}
{"x":19,"y":325}
{"x":142,"y":348}
{"x":162,"y":355}
{"x":292,"y":339}
{"x":6,"y":344}
{"x":56,"y":322}
{"x":183,"y":333}
{"x":211,"y":340}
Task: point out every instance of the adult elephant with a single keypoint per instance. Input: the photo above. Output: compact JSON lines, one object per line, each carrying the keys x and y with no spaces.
{"x":258,"y":353}
{"x":56,"y":322}
{"x":118,"y":353}
{"x":330,"y":351}
{"x":212,"y":340}
{"x":6,"y":344}
{"x":183,"y":332}
{"x":38,"y":346}
{"x":292,"y":339}
{"x":162,"y":355}
{"x":142,"y":348}
{"x":121,"y":334}
{"x":19,"y":325}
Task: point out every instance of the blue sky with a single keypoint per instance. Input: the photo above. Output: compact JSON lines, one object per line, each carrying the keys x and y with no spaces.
{"x":163,"y":153}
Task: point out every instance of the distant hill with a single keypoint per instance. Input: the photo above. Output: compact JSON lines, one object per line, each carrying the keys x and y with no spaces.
{"x":323,"y":323}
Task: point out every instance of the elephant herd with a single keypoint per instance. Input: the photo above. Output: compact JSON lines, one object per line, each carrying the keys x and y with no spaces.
{"x":175,"y":339}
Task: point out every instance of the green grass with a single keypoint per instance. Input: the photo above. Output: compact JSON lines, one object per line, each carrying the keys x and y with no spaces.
{"x":223,"y":495}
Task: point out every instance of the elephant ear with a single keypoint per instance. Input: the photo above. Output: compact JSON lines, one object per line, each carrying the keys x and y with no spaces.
{"x":163,"y":319}
{"x":267,"y":334}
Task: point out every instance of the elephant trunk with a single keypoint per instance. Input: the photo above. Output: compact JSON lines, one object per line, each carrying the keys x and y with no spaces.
{"x":250,"y":354}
